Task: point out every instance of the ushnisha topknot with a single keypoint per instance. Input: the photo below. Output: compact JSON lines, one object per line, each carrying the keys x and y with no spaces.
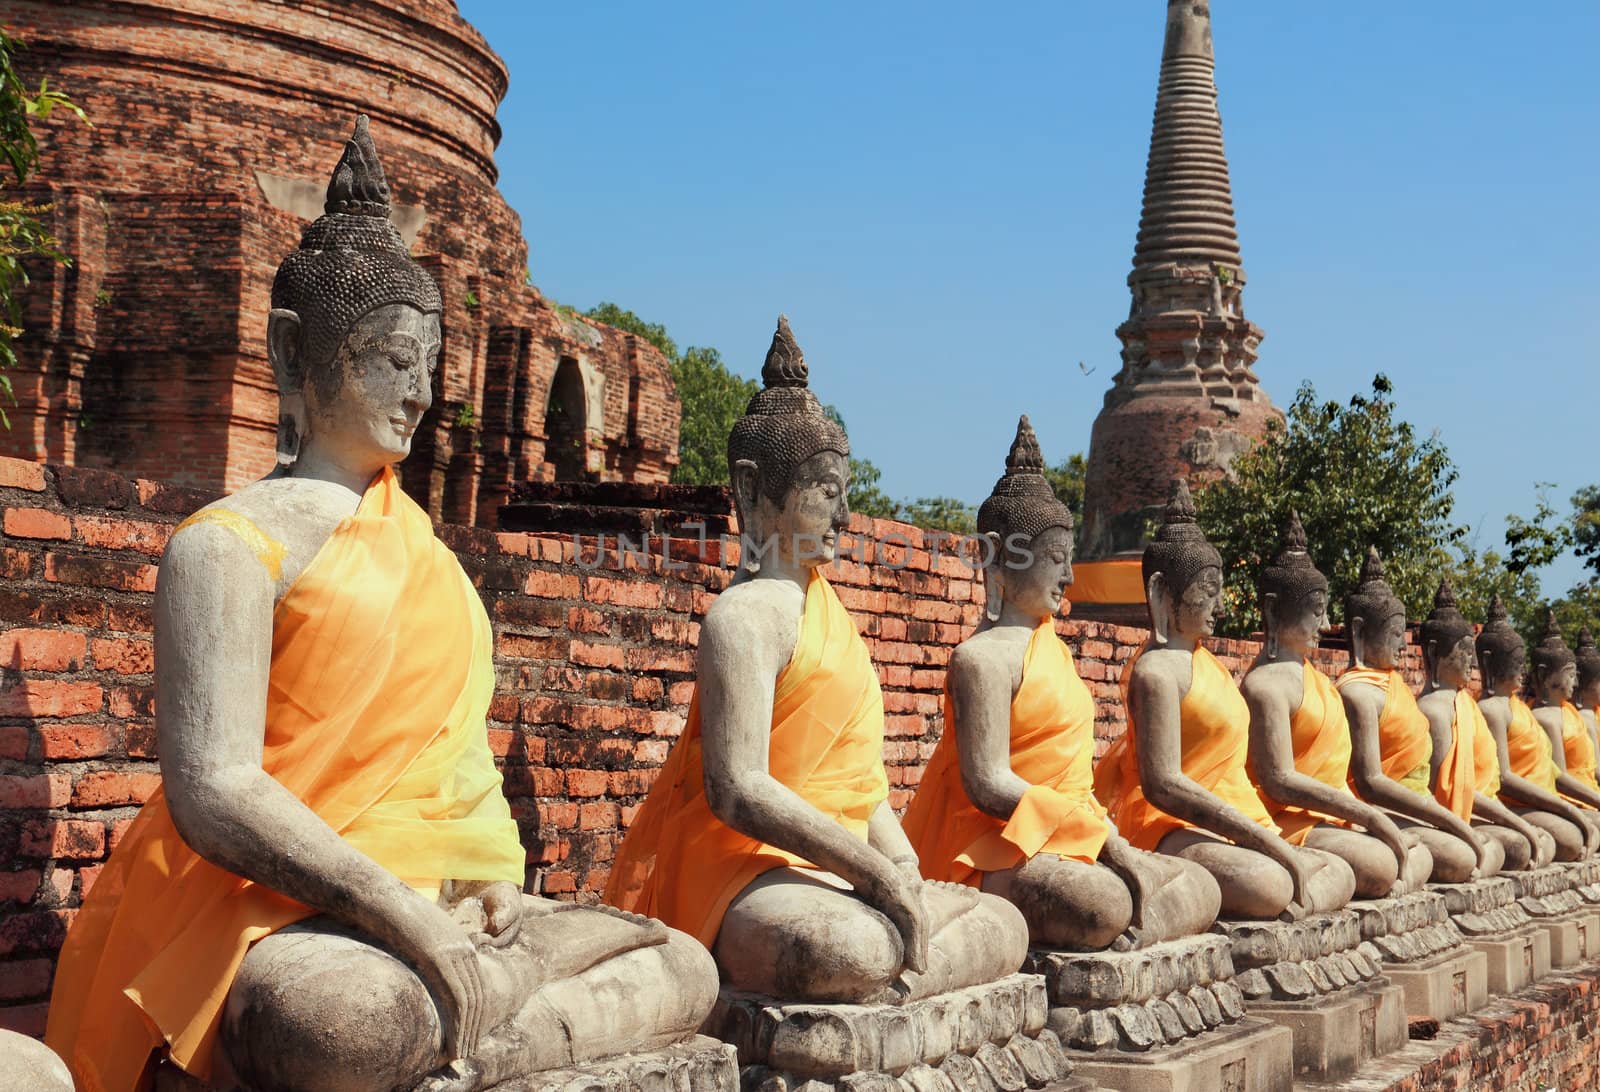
{"x":1180,"y":551}
{"x":1445,"y":627}
{"x":351,"y":260}
{"x":1022,"y":502}
{"x":1292,"y":576}
{"x":1373,"y":599}
{"x":1551,"y":653}
{"x":784,"y":424}
{"x":1498,"y":640}
{"x":1588,"y":657}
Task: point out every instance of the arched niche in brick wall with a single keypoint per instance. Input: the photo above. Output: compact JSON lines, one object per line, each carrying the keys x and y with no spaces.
{"x":574,"y":418}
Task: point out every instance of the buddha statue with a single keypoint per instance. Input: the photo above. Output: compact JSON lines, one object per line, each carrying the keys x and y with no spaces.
{"x":326,"y":892}
{"x":1555,"y":682}
{"x":1176,"y":781}
{"x":1007,"y":801}
{"x":1300,"y":739}
{"x":1528,"y":773}
{"x":1465,"y":761}
{"x":1587,"y":698}
{"x":768,"y":833}
{"x":1391,"y":741}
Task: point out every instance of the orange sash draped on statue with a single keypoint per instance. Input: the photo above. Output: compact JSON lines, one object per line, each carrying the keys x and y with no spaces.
{"x":1485,"y":755}
{"x":1528,"y":747}
{"x":1578,"y":746}
{"x":381,"y":676}
{"x":1458,"y":772}
{"x":682,"y":864}
{"x":1321,"y":740}
{"x":1214,"y":744}
{"x":1052,"y":748}
{"x":1404,"y":744}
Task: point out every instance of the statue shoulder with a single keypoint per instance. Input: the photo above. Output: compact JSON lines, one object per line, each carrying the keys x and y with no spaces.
{"x":1275,"y":683}
{"x":755,"y":620}
{"x":1162,"y":671}
{"x":993,"y":657}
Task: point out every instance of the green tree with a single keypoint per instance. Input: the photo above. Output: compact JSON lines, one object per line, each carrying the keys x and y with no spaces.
{"x":1358,"y":477}
{"x":940,"y":514}
{"x":713,"y":398}
{"x":1066,"y":478}
{"x":22,"y":233}
{"x":1586,"y":526}
{"x":653,"y":332}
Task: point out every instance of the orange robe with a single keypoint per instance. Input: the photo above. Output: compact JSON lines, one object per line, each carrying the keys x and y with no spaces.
{"x":682,"y":864}
{"x":1404,"y":744}
{"x":1528,"y":747}
{"x":381,"y":675}
{"x":1214,"y":745}
{"x":1578,"y":746}
{"x":1485,"y":755}
{"x":1458,"y":772}
{"x":1320,"y":735}
{"x":1052,"y":748}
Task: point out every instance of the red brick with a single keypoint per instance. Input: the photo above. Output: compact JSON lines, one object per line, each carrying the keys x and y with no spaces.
{"x":592,"y":655}
{"x":49,"y":698}
{"x":37,"y":523}
{"x":42,"y":649}
{"x":21,"y":474}
{"x":124,"y":656}
{"x":559,"y":883}
{"x":107,"y":788}
{"x":15,"y":564}
{"x":122,"y":534}
{"x":76,"y":839}
{"x":586,"y":782}
{"x":133,"y":701}
{"x":623,"y":593}
{"x":601,"y":816}
{"x":35,"y":791}
{"x":19,"y":886}
{"x":25,"y":979}
{"x":13,"y":742}
{"x":87,"y":875}
{"x":99,"y":572}
{"x":549,"y":585}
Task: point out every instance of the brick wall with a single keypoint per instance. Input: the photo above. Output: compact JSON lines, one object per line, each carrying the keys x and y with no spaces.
{"x":594,"y":659}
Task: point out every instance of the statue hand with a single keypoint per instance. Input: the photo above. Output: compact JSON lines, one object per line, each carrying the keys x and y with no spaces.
{"x":447,"y":960}
{"x":1591,"y":839}
{"x":502,"y":908}
{"x":899,"y":897}
{"x":1301,"y":868}
{"x":1481,"y":846}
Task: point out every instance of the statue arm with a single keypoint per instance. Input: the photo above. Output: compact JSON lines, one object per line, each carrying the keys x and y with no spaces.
{"x":980,"y":691}
{"x":1514,"y":786}
{"x":1272,"y":758}
{"x":1154,"y":700}
{"x":1441,"y":731}
{"x":1550,"y":720}
{"x":214,"y":607}
{"x":1363,"y":705}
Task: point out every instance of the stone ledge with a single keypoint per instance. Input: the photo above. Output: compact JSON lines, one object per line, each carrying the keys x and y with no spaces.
{"x":700,"y":1065}
{"x":1296,"y":961}
{"x":1031,"y":1062}
{"x":1483,"y":908}
{"x":1412,"y":928}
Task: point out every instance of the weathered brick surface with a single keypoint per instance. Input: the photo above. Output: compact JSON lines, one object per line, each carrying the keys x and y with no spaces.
{"x":147,"y":354}
{"x":594,"y":660}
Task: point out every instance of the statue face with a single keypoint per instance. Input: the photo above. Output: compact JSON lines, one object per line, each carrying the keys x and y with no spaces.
{"x":1559,"y":685}
{"x":1301,"y":625}
{"x":1504,"y":675}
{"x":814,"y":511}
{"x":1454,"y":668}
{"x":368,"y":403}
{"x":1383,"y":645}
{"x":1195,"y":613}
{"x":1039,"y":587}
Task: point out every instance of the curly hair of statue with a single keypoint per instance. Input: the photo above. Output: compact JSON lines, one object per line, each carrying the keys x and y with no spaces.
{"x":1020,"y":506}
{"x":784,"y":424}
{"x":1499,"y":644}
{"x":350,"y":261}
{"x":1445,"y":627}
{"x":1290,"y":580}
{"x":1373,"y":600}
{"x":1180,"y":551}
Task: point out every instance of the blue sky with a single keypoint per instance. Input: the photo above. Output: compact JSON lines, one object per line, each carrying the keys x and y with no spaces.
{"x":944,"y":198}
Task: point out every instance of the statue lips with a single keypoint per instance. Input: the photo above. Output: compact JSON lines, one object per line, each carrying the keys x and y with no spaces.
{"x":404,"y":426}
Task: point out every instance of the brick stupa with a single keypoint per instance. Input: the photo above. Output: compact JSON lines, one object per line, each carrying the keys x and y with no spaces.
{"x":1185,"y":401}
{"x":214,"y":125}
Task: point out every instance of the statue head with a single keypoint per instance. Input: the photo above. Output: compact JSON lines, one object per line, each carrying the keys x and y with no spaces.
{"x":1588,"y":657}
{"x":1293,"y":595}
{"x":789,"y":463}
{"x":1029,"y":532}
{"x":1502,"y":655}
{"x":1555,"y":668}
{"x":353,"y":335}
{"x":1182,"y":573}
{"x":1447,"y":640}
{"x":1375,"y":618}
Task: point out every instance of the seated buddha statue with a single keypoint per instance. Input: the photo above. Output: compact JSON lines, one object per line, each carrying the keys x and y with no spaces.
{"x":1555,"y":681}
{"x":1176,"y":780}
{"x":1391,"y":741}
{"x":1300,"y":739}
{"x":326,"y":891}
{"x":1007,"y":801}
{"x":1465,"y":761}
{"x":768,"y":833}
{"x":1528,"y":773}
{"x":1587,"y":698}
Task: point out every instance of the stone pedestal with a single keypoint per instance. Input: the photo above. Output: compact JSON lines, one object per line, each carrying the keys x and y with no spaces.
{"x":1423,"y":953}
{"x":1492,"y":922}
{"x":1551,"y":899}
{"x":1314,"y":978}
{"x":972,"y":1040}
{"x":1168,"y":1018}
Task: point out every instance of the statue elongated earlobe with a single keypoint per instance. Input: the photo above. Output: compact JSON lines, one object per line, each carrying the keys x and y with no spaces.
{"x":283,"y":352}
{"x":994,"y":594}
{"x":1155,"y":594}
{"x":1269,"y":622}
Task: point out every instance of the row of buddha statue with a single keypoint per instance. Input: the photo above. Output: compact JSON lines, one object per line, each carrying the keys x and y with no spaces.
{"x":326,"y":893}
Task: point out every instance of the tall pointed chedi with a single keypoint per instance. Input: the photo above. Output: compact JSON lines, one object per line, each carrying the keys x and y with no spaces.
{"x":1185,"y":401}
